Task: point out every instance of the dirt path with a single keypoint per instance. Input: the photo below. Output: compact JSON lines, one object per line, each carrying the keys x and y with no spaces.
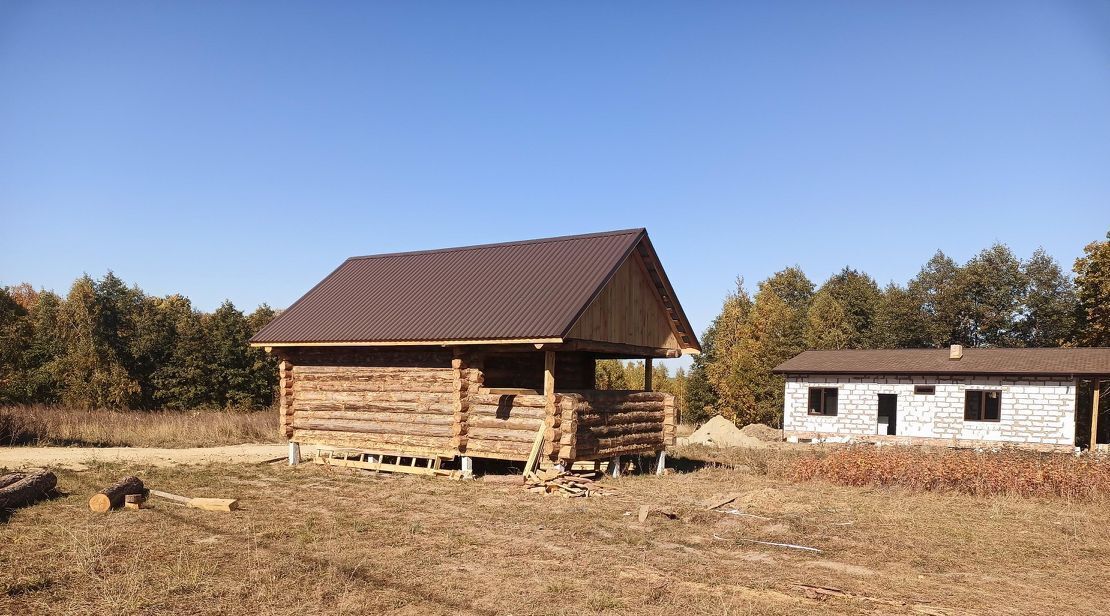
{"x":76,"y":458}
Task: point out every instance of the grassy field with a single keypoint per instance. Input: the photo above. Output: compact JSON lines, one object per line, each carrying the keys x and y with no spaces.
{"x":317,"y":540}
{"x":51,"y":425}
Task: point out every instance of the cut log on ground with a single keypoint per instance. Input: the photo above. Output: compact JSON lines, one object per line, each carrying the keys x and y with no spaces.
{"x":112,"y":497}
{"x":10,"y":478}
{"x":32,"y":487}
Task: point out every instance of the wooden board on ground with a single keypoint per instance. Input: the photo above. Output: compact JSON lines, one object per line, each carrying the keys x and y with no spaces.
{"x":207,"y":504}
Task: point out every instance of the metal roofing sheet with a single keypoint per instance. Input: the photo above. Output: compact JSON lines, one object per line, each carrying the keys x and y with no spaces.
{"x":518,"y":290}
{"x":1045,"y":362}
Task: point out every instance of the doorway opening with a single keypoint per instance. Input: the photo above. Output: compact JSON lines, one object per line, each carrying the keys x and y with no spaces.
{"x":888,"y":414}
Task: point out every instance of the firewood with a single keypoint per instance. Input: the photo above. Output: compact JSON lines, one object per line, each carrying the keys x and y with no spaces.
{"x":112,"y":496}
{"x":10,"y":478}
{"x":32,"y":487}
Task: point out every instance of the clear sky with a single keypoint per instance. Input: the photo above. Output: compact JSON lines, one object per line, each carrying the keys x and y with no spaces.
{"x":242,"y":150}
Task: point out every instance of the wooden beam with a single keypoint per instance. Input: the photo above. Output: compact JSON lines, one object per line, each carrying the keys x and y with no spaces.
{"x":647,"y":374}
{"x":1096,"y":389}
{"x":622,"y":350}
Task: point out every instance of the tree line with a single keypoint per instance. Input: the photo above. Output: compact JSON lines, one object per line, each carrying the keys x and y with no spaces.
{"x":109,"y":345}
{"x":994,"y":299}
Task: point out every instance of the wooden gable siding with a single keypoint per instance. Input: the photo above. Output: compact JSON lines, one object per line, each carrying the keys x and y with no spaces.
{"x":628,"y":311}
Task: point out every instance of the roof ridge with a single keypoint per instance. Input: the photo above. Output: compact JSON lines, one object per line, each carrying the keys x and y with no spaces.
{"x":540,"y":240}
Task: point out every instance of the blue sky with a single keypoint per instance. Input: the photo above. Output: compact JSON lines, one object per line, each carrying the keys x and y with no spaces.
{"x":242,"y":150}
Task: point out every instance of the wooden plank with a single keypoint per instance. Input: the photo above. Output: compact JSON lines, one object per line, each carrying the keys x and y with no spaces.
{"x":647,"y":374}
{"x":380,"y":466}
{"x":1096,"y":389}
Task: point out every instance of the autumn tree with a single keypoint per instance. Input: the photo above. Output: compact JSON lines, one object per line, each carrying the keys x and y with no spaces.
{"x":1092,"y":280}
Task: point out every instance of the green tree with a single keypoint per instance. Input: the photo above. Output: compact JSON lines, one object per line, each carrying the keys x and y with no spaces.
{"x":233,"y":361}
{"x":1092,"y":280}
{"x":90,"y":371}
{"x":1049,"y":315}
{"x":183,"y":379}
{"x":991,"y":292}
{"x":610,"y":374}
{"x":16,"y":334}
{"x":859,"y":296}
{"x":937,"y":289}
{"x":699,"y":397}
{"x":828,"y":324}
{"x":900,"y":322}
{"x":792,"y":286}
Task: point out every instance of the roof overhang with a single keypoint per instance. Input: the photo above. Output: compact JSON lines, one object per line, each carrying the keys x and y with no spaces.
{"x":396,"y":343}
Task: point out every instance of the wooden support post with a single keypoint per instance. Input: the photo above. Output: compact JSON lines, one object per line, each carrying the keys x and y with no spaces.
{"x":647,"y":374}
{"x":466,"y":465}
{"x":294,"y":453}
{"x":661,"y":462}
{"x":1096,"y":389}
{"x":615,"y":466}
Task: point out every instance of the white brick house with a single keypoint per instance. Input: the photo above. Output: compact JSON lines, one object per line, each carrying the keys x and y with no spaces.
{"x":1039,"y":398}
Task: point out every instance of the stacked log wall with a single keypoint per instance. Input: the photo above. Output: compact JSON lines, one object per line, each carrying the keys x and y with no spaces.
{"x":505,"y":426}
{"x":402,"y":409}
{"x":612,"y":423}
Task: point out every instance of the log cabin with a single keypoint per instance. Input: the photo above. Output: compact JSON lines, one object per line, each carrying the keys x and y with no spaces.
{"x":489,"y":351}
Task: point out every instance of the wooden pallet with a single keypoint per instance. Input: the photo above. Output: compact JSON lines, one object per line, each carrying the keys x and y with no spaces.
{"x":377,"y":462}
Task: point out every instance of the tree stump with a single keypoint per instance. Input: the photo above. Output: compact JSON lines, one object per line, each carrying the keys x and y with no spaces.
{"x":112,"y":496}
{"x":33,"y":486}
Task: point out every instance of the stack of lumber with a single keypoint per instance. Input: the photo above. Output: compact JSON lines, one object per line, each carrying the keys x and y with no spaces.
{"x":565,"y":484}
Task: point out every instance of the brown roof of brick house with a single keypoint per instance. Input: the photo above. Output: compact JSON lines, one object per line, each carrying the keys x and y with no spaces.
{"x":1031,"y":362}
{"x":515,"y":291}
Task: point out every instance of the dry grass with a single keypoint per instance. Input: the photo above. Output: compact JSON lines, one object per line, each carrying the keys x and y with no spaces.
{"x":1009,"y":471}
{"x":48,"y":425}
{"x":316,"y":540}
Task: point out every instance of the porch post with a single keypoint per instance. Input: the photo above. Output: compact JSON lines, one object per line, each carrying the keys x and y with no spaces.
{"x":647,"y":374}
{"x":1096,"y":387}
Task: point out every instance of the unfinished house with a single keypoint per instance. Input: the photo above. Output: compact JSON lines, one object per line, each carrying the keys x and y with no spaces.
{"x":420,"y":358}
{"x":1047,"y":399}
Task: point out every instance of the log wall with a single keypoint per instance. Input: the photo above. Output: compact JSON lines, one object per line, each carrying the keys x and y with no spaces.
{"x":430,"y":403}
{"x":411,"y":410}
{"x":612,"y":423}
{"x":505,"y":426}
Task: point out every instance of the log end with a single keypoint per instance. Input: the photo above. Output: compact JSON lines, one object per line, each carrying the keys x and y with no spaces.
{"x":100,"y":503}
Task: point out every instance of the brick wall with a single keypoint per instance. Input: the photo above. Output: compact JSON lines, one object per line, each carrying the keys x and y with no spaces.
{"x":1034,"y":410}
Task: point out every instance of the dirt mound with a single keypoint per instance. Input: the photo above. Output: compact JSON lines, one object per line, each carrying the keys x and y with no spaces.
{"x":762,"y":432}
{"x":721,"y":432}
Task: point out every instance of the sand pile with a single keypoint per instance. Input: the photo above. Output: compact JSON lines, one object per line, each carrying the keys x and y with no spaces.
{"x":721,"y":432}
{"x":763,"y":432}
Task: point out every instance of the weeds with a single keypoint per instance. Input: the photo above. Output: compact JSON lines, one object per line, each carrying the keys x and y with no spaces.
{"x":48,"y":425}
{"x":980,"y":473}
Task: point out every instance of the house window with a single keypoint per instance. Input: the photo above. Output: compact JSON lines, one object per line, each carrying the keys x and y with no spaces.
{"x":822,"y":400}
{"x":982,"y":405}
{"x":924,"y":390}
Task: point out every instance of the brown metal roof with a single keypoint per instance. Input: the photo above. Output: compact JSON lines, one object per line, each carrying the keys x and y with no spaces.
{"x":1042,"y":362}
{"x":513,"y":291}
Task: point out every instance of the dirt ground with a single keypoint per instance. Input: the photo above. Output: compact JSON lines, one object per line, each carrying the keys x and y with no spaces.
{"x":79,"y":458}
{"x":319,"y":540}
